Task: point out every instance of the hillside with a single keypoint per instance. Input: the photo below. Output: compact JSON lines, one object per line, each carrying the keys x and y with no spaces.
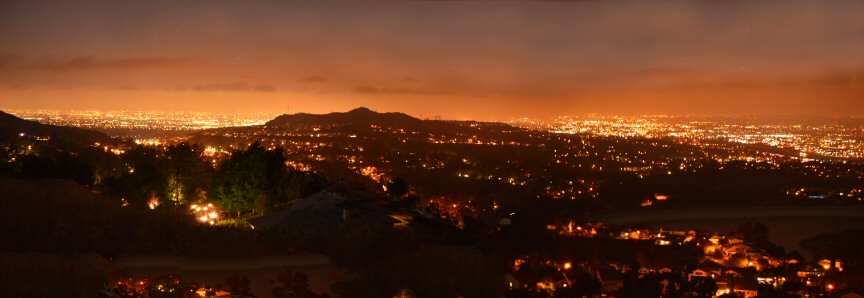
{"x":12,"y":128}
{"x":360,"y":116}
{"x":363,"y":118}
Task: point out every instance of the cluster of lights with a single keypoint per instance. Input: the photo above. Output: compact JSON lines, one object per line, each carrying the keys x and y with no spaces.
{"x":205,"y":213}
{"x":372,"y":173}
{"x":546,"y":284}
{"x":155,"y":120}
{"x":832,"y":140}
{"x":148,"y":142}
{"x":107,"y":148}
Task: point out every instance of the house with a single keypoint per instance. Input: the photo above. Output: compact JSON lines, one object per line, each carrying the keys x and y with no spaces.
{"x":643,"y":271}
{"x":825,"y":264}
{"x":712,"y":268}
{"x":698,"y":273}
{"x":324,"y":213}
{"x":520,"y":279}
{"x":808,"y":271}
{"x":756,"y":253}
{"x":737,"y":248}
{"x":742,"y":287}
{"x":714,"y":239}
{"x":662,"y":242}
{"x":731,"y":273}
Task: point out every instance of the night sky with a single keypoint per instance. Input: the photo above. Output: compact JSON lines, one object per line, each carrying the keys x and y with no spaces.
{"x":481,"y":60}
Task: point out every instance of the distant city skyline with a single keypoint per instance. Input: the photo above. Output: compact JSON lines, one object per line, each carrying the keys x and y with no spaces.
{"x":458,"y":60}
{"x":834,"y":137}
{"x":265,"y":114}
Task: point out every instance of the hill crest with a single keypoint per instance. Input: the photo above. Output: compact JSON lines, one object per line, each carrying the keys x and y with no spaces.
{"x":358,"y":116}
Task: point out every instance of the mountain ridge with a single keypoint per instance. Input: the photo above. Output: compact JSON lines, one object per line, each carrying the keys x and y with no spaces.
{"x":358,"y":116}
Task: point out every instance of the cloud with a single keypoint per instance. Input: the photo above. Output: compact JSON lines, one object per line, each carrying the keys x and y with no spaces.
{"x":664,"y":72}
{"x":850,"y":78}
{"x":313,"y":79}
{"x":229,"y":87}
{"x":96,"y":63}
{"x":395,"y":91}
{"x":8,"y":60}
{"x":409,"y":79}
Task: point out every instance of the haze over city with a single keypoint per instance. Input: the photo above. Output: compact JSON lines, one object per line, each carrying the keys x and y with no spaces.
{"x":458,"y":60}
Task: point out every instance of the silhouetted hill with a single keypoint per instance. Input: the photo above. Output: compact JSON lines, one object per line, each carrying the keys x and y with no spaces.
{"x":362,"y":119}
{"x":358,"y":116}
{"x":376,"y":132}
{"x":11,"y":128}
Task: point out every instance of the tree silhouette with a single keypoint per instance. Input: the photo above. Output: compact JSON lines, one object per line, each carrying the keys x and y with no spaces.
{"x":185,"y":172}
{"x":245,"y":176}
{"x":398,"y":187}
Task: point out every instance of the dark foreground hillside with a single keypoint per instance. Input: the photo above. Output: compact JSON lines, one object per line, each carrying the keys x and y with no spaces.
{"x":57,"y":239}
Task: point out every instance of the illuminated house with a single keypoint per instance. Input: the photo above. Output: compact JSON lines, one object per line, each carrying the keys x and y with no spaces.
{"x":743,"y":287}
{"x":711,"y":268}
{"x":698,"y":273}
